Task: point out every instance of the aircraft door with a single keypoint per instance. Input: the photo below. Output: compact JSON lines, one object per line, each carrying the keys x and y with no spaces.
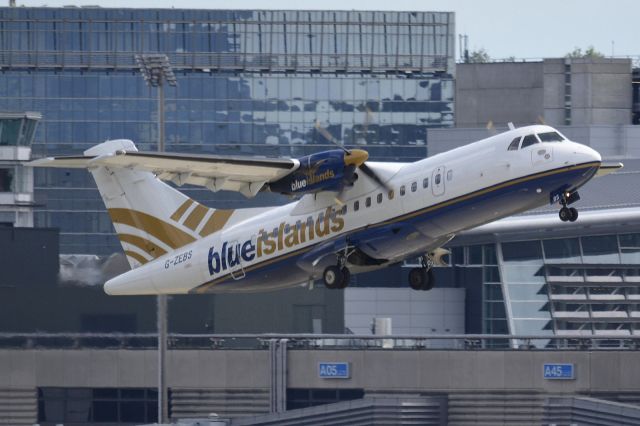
{"x":234,"y":260}
{"x":437,"y":179}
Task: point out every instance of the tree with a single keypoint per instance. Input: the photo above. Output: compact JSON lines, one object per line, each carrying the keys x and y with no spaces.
{"x":590,"y":53}
{"x":479,"y":56}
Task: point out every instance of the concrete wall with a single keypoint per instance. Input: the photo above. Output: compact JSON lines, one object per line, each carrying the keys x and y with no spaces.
{"x":498,"y":92}
{"x":438,"y":311}
{"x":523,"y":93}
{"x":378,"y":369}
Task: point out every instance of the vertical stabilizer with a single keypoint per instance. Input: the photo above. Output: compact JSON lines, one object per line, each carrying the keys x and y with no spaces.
{"x":150,"y":217}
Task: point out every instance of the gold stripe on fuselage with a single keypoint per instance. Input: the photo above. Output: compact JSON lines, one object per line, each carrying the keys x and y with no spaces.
{"x":152,"y":249}
{"x":177,"y":215}
{"x":195,"y":217}
{"x":216,"y":222}
{"x":136,"y":256}
{"x":165,"y":232}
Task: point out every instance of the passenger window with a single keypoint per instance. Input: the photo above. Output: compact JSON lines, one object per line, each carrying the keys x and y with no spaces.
{"x":379,"y":197}
{"x":368,"y":202}
{"x":344,"y":209}
{"x":437,"y":179}
{"x":356,"y":206}
{"x":391,"y":194}
{"x":425,"y":182}
{"x":321,"y":217}
{"x":402,"y":190}
{"x":529,"y":140}
{"x":287,"y":228}
{"x":449,"y":174}
{"x":513,"y":146}
{"x":414,"y":186}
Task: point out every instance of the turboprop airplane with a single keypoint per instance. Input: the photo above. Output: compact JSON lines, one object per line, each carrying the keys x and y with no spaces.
{"x":352,"y":215}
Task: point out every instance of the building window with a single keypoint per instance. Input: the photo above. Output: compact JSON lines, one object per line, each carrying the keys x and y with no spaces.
{"x":379,"y":198}
{"x":303,"y":398}
{"x":368,"y":202}
{"x":76,"y":406}
{"x":6,"y":180}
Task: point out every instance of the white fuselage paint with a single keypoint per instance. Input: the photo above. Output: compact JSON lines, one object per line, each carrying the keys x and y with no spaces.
{"x":463,"y":171}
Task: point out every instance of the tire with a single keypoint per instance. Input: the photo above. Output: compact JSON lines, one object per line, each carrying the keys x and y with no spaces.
{"x":346,"y":278}
{"x":431,"y":281}
{"x":574,"y":214}
{"x":332,"y":277}
{"x":565,"y":214}
{"x":417,"y":278}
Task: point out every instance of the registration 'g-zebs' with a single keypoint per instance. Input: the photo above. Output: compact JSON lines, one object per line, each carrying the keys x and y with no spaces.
{"x":354,"y":216}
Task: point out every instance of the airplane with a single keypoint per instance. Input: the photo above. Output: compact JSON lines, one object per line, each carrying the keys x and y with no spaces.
{"x":350,"y":215}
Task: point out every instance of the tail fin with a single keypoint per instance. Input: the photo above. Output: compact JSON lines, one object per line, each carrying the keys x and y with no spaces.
{"x":150,"y":217}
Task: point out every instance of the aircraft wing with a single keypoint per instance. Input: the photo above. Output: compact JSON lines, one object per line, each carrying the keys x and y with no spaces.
{"x":247,"y":175}
{"x":606,"y":168}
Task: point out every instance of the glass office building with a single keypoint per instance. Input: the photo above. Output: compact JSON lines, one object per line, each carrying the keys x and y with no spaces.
{"x":249,"y":82}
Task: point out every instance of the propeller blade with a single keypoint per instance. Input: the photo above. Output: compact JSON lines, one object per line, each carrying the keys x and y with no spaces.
{"x":369,"y":172}
{"x":328,"y":136}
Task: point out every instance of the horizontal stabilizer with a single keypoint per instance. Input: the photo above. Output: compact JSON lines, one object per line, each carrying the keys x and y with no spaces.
{"x":247,"y":175}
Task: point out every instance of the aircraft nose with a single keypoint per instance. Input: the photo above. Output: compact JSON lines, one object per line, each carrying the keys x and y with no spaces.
{"x":585,"y":154}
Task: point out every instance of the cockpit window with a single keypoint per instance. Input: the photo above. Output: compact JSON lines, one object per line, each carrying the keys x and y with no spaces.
{"x":550,"y":137}
{"x":529,"y":140}
{"x":513,"y":146}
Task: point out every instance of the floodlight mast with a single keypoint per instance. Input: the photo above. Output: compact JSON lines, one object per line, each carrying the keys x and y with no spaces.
{"x":156,"y":70}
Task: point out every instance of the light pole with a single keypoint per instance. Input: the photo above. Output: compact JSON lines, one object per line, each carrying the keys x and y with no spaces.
{"x":156,"y":70}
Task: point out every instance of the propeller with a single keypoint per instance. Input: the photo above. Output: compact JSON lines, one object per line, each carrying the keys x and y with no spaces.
{"x":355,"y":157}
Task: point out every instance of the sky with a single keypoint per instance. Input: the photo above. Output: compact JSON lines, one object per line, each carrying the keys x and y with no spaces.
{"x":504,"y":28}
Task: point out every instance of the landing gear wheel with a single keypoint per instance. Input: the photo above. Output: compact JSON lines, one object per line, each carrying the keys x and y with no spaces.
{"x":565,"y":214}
{"x":421,"y":279}
{"x":346,"y":278}
{"x":431,"y":281}
{"x":574,"y":214}
{"x":417,"y":276}
{"x":332,"y":277}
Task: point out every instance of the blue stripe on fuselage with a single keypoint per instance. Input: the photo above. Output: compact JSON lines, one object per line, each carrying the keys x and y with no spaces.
{"x":455,"y":214}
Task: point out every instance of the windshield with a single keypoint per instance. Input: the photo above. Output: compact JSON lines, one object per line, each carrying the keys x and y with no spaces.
{"x":550,"y":137}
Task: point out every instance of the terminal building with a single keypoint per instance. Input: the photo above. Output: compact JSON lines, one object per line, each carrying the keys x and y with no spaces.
{"x":264,"y":83}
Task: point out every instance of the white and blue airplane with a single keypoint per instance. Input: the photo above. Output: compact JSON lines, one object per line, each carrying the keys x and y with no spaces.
{"x":351,"y":216}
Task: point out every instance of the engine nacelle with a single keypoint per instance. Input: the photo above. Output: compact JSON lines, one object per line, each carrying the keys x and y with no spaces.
{"x":323,"y":171}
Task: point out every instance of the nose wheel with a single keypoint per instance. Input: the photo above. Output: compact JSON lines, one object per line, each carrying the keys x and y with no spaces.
{"x":568,"y":214}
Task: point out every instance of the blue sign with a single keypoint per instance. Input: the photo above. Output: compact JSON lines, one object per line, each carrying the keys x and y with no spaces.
{"x":334,"y":370}
{"x":559,"y":371}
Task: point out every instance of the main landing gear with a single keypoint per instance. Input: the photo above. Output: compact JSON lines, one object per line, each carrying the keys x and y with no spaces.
{"x":422,"y":278}
{"x":568,"y":213}
{"x":337,"y":276}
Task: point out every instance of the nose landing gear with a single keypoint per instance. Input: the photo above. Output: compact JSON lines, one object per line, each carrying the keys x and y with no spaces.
{"x":568,"y":213}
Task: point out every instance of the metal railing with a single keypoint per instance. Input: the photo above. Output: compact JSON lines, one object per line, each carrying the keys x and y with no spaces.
{"x":228,"y":61}
{"x":181,"y":341}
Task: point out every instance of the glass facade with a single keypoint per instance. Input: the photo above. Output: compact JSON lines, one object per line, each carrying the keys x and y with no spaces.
{"x":249,"y":82}
{"x":586,"y":285}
